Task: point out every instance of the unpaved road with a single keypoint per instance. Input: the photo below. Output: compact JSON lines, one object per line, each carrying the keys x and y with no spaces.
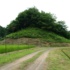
{"x":39,"y":62}
{"x":37,"y":65}
{"x":14,"y":65}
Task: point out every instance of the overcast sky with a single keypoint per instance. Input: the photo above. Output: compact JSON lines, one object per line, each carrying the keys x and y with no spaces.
{"x":9,"y":9}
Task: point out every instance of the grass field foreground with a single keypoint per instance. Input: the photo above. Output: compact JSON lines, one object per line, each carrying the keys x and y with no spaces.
{"x":57,"y":60}
{"x":66,"y":51}
{"x":9,"y":57}
{"x":10,"y":48}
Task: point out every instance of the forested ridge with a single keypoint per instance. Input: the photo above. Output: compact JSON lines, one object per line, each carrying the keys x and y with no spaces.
{"x":32,"y":17}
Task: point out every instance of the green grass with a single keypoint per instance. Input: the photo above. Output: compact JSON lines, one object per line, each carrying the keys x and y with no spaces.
{"x":38,"y":33}
{"x":10,"y":48}
{"x":30,"y":61}
{"x":57,"y":60}
{"x":10,"y":57}
{"x":66,"y":51}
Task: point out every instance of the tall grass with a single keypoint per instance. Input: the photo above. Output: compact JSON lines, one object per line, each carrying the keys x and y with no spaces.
{"x":10,"y":48}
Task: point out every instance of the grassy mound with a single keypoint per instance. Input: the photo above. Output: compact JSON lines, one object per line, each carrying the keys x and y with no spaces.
{"x":38,"y":33}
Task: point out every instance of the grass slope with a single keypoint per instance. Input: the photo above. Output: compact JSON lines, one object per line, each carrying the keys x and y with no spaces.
{"x":38,"y":33}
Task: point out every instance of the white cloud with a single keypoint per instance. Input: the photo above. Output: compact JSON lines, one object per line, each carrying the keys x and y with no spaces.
{"x":9,"y":9}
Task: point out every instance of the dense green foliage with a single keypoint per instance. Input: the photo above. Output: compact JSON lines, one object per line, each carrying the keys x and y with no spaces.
{"x":10,"y":48}
{"x":2,"y":32}
{"x":33,"y":18}
{"x":38,"y":33}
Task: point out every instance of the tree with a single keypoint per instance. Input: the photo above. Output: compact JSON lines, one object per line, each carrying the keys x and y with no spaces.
{"x":29,"y":17}
{"x":13,"y":27}
{"x":2,"y":31}
{"x":47,"y":20}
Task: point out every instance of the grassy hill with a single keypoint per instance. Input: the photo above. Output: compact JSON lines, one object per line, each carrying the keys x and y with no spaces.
{"x":37,"y":33}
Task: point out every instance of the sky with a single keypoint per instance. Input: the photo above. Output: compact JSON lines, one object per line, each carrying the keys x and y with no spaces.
{"x":9,"y":9}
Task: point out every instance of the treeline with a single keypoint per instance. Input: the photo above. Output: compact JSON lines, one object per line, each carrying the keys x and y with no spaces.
{"x":2,"y":32}
{"x":33,"y":18}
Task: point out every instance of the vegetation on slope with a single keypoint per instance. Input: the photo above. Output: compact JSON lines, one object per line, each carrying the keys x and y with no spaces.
{"x":33,"y":18}
{"x":38,"y":33}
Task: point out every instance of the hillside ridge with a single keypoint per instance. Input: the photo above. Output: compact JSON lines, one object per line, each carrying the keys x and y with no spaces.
{"x":37,"y":33}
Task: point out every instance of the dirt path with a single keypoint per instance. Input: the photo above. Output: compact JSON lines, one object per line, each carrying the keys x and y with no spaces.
{"x":15,"y":64}
{"x":39,"y":63}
